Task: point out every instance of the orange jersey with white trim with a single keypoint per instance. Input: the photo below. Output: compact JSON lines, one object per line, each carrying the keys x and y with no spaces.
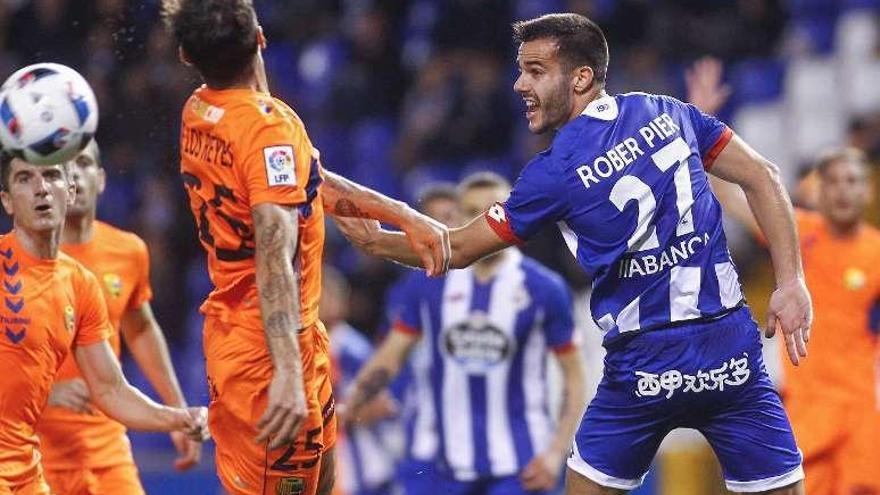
{"x":843,"y":276}
{"x":72,"y":440}
{"x":240,"y":148}
{"x":48,"y":307}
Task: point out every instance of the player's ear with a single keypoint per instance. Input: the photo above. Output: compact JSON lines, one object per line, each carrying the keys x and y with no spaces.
{"x":261,"y":38}
{"x":583,"y":79}
{"x":7,"y":203}
{"x":102,"y":180}
{"x":181,"y":54}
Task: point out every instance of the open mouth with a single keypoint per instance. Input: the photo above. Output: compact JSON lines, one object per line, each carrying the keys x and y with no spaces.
{"x":531,"y":107}
{"x":43,"y":208}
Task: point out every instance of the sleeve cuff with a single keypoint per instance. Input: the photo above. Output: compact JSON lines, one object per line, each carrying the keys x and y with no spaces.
{"x":497,"y":218}
{"x":563,"y":348}
{"x":400,"y":326}
{"x":717,"y":148}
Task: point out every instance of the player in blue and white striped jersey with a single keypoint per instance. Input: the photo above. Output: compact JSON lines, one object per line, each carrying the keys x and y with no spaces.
{"x":625,"y":180}
{"x":487,"y":332}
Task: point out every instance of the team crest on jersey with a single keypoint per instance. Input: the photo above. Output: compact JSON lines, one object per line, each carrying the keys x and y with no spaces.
{"x":477,"y":344}
{"x":69,"y":318}
{"x":113,"y":283}
{"x":290,"y":486}
{"x":279,"y":165}
{"x":854,"y":279}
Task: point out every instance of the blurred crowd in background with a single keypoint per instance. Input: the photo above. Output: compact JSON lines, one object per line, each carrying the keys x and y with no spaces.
{"x":399,"y":93}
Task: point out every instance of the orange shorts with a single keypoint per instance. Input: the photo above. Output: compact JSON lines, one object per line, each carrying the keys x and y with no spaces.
{"x":839,"y":444}
{"x":239,"y":371}
{"x":109,"y":480}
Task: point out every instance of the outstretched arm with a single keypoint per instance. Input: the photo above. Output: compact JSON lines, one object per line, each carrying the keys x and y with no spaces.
{"x":790,"y":304}
{"x":468,"y":244}
{"x":113,"y":395}
{"x":426,"y":238}
{"x":145,"y":339}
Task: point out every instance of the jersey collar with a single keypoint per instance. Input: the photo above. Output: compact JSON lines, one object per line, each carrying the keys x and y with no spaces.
{"x":604,"y":108}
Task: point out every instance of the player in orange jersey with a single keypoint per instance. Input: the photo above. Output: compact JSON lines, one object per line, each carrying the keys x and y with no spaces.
{"x":85,"y":452}
{"x":832,"y":399}
{"x":258,"y":192}
{"x":52,"y":305}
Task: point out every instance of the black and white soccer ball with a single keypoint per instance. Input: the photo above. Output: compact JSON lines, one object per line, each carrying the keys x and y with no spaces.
{"x":48,"y":114}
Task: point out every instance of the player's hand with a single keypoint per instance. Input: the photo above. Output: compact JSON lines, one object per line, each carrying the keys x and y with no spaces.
{"x":791,"y":310}
{"x":383,"y":406}
{"x":542,"y":472}
{"x":72,"y":394}
{"x":362,"y":232}
{"x":189,"y":451}
{"x":704,"y":87}
{"x":194,"y":423}
{"x":286,"y":411}
{"x":430,"y":241}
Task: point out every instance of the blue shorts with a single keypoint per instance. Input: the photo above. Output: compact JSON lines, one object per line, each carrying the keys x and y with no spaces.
{"x":708,"y":376}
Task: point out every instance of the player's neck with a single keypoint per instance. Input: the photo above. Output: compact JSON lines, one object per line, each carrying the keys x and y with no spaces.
{"x":485,"y":269}
{"x":583,"y":102}
{"x":78,"y":229}
{"x":39,"y":244}
{"x":844,"y":230}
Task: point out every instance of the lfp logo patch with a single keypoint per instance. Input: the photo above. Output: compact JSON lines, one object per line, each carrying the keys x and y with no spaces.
{"x":279,"y":165}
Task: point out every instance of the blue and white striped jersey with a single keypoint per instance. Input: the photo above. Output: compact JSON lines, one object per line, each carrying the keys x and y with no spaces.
{"x":363,"y":450}
{"x":487,"y":343}
{"x":626,"y":183}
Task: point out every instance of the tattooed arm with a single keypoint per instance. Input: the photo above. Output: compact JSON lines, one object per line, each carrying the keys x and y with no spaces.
{"x":278,"y":285}
{"x":428,"y":238}
{"x":379,"y":371}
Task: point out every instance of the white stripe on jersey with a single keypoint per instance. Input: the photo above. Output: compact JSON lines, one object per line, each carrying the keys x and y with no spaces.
{"x":535,"y":387}
{"x":627,"y":319}
{"x":455,"y":393}
{"x":684,"y":293}
{"x":569,"y":237}
{"x":505,"y":303}
{"x":425,"y":440}
{"x":728,"y":284}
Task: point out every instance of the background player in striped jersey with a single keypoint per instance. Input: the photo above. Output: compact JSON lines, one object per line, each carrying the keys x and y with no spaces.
{"x":52,"y":307}
{"x":415,"y":471}
{"x":258,"y":193}
{"x":85,"y":452}
{"x":487,"y":330}
{"x":625,"y":179}
{"x":367,"y":450}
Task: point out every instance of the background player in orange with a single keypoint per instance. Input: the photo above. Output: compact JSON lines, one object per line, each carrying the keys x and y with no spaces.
{"x":85,"y":452}
{"x":832,"y":399}
{"x":255,"y":186}
{"x":52,"y":304}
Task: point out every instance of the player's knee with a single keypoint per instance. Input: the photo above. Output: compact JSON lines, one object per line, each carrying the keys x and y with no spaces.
{"x":793,"y":489}
{"x":577,"y":484}
{"x":327,"y":476}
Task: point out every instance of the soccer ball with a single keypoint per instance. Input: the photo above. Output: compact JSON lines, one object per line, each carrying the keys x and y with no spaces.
{"x":48,"y":114}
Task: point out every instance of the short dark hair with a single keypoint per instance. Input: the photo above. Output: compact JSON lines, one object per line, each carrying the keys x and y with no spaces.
{"x":846,"y":154}
{"x":5,"y":169}
{"x":436,"y":191}
{"x":219,"y":37}
{"x":482,"y":180}
{"x":580,"y":40}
